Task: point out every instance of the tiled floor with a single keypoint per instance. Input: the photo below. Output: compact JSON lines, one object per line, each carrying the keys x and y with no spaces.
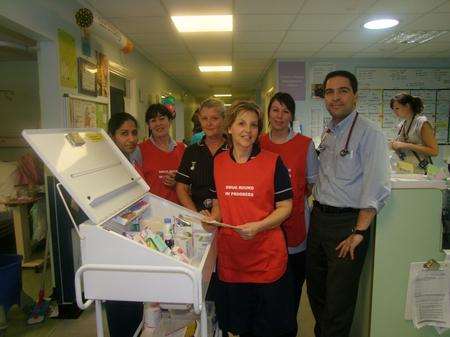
{"x":85,"y":325}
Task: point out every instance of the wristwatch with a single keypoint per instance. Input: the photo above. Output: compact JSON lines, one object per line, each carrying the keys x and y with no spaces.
{"x":358,"y":231}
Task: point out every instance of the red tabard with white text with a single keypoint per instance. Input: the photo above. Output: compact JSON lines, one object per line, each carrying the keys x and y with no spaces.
{"x":293,"y":153}
{"x":246,"y":193}
{"x":156,"y":163}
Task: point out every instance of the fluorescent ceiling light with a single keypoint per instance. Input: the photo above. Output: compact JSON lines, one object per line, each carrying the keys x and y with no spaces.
{"x":222,"y":95}
{"x":381,"y":24}
{"x":227,"y":104}
{"x":203,"y":23}
{"x":417,"y":37}
{"x":208,"y":69}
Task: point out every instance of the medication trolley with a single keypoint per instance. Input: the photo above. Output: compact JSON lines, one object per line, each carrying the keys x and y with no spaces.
{"x":116,"y":262}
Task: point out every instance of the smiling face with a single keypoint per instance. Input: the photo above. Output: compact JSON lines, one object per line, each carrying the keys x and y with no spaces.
{"x":280,"y":117}
{"x":403,"y":111}
{"x":211,"y":121}
{"x":340,"y":100}
{"x":159,"y":126}
{"x":125,"y":137}
{"x":244,"y":130}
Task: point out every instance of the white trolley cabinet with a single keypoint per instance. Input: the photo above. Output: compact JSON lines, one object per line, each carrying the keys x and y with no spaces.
{"x":103,"y":183}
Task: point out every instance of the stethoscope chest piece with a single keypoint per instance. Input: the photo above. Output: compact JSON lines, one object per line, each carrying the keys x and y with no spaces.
{"x":344,"y":152}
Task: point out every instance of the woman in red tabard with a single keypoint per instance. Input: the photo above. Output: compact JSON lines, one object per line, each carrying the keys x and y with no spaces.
{"x":253,"y":194}
{"x":299,"y":155}
{"x":161,"y":155}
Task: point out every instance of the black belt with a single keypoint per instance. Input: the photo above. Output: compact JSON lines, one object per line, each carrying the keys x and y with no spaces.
{"x":334,"y":210}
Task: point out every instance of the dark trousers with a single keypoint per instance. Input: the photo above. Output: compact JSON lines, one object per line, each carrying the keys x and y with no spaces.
{"x":332,"y":282}
{"x":297,"y":263}
{"x":123,"y":317}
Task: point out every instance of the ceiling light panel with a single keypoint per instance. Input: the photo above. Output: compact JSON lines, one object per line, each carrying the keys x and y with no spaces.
{"x":211,"y":69}
{"x":203,"y":23}
{"x":222,"y":95}
{"x":381,"y":24}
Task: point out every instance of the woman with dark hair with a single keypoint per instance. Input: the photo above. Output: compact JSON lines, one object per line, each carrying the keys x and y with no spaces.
{"x":299,"y":155}
{"x":161,"y":155}
{"x":123,"y":130}
{"x":124,"y":317}
{"x":253,"y":194}
{"x":415,"y":141}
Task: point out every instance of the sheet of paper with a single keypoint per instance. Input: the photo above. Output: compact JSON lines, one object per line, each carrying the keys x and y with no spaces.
{"x":431,"y":304}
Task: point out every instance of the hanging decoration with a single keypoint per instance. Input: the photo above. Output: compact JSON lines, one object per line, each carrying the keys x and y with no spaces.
{"x":169,"y":103}
{"x":86,"y":19}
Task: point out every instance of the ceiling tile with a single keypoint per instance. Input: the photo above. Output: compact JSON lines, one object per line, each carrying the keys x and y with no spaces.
{"x":129,"y":8}
{"x":209,"y":43}
{"x":403,"y":6}
{"x":329,"y":54}
{"x":413,"y":55}
{"x":370,"y":55}
{"x":255,"y":47}
{"x":363,"y":36}
{"x":198,"y":7}
{"x":299,"y":36}
{"x":386,"y":48}
{"x":262,"y":22}
{"x":259,"y":37}
{"x":241,"y":55}
{"x":343,"y":47}
{"x":336,"y":7}
{"x":182,"y":57}
{"x":436,"y":21}
{"x":252,"y":64}
{"x":300,"y":47}
{"x":267,"y":6}
{"x":213,"y":58}
{"x":155,"y":38}
{"x":429,"y":47}
{"x":141,"y":25}
{"x":445,"y":8}
{"x":164,"y":49}
{"x":403,"y":19}
{"x":322,"y":22}
{"x":293,"y":55}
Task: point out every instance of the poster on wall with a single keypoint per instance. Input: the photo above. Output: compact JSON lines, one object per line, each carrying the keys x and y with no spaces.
{"x":318,"y":73}
{"x":87,"y":114}
{"x":102,"y":76}
{"x":291,"y":78}
{"x":86,"y":77}
{"x":67,"y":59}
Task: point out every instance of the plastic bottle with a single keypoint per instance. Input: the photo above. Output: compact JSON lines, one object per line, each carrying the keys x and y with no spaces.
{"x":168,"y":232}
{"x":152,"y":318}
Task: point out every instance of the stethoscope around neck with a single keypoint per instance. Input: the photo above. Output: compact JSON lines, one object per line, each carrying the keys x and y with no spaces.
{"x":344,"y":152}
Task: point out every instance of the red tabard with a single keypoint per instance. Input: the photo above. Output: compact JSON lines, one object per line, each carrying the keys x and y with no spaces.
{"x":246,"y":193}
{"x":294,"y":154}
{"x":156,"y":163}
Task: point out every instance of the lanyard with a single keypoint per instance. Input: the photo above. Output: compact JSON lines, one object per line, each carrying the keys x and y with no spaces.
{"x":345,"y":150}
{"x":407,"y":131}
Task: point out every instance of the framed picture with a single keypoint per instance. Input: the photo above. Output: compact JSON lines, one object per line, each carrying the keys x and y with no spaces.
{"x":86,"y":77}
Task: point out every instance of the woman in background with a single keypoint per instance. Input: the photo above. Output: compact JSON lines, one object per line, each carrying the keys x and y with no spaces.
{"x":161,"y":155}
{"x":299,"y":155}
{"x":195,"y":174}
{"x":123,"y":317}
{"x":254,"y":195}
{"x":415,"y":141}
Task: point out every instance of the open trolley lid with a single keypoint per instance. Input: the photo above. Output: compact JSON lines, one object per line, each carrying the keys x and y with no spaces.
{"x":91,"y":168}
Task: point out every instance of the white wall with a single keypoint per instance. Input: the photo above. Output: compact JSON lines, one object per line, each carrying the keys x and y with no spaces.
{"x":21,"y":109}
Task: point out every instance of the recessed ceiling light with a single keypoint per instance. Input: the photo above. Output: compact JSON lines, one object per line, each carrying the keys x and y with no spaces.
{"x":222,"y":95}
{"x":209,"y":69}
{"x":203,"y":23}
{"x":381,"y":24}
